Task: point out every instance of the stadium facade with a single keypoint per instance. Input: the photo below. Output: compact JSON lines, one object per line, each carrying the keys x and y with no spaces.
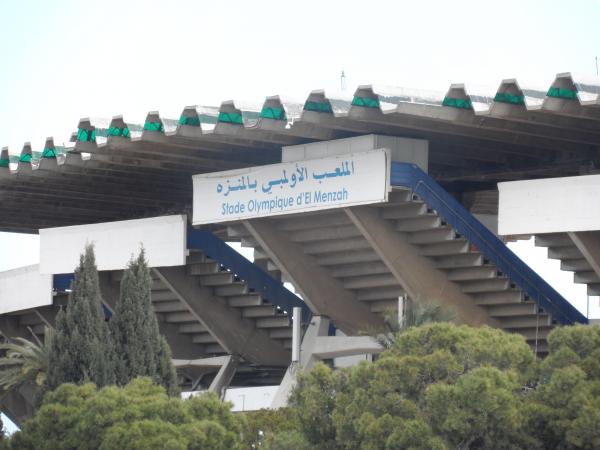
{"x":361,"y":203}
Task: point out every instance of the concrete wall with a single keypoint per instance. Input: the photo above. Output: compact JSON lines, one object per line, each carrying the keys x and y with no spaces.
{"x":24,"y":288}
{"x":163,"y":238}
{"x":549,"y":205}
{"x":402,"y":149}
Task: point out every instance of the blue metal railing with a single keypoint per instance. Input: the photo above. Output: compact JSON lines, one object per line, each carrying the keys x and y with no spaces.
{"x":256,"y":278}
{"x":492,"y":248}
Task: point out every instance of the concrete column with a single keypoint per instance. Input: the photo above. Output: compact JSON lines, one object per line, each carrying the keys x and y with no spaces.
{"x":224,"y":376}
{"x":316,"y":346}
{"x":417,"y":275}
{"x":236,"y":335}
{"x":588,"y":243}
{"x":323,"y":293}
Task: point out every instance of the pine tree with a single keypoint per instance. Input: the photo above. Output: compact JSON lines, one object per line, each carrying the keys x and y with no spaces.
{"x":140,"y":349}
{"x":81,"y":350}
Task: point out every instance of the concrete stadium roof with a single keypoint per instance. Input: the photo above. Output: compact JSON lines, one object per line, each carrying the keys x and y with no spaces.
{"x":115,"y":170}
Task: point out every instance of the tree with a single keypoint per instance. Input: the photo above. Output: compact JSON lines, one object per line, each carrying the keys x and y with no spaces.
{"x":24,"y":362}
{"x":140,"y":348}
{"x":418,"y":393}
{"x":138,"y":416}
{"x":81,"y":349}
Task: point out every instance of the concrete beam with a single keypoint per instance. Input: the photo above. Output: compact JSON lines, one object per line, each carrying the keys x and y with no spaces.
{"x":17,"y":404}
{"x":420,"y":279}
{"x":324,"y":294}
{"x":224,"y":376}
{"x":236,"y":335}
{"x":588,"y":243}
{"x":329,"y":347}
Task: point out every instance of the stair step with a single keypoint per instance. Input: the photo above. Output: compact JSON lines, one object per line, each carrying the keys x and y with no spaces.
{"x":248,"y":242}
{"x":162,"y":296}
{"x":572,"y":265}
{"x":179,"y":317}
{"x":553,"y":240}
{"x":438,"y":235}
{"x":530,"y":333}
{"x":511,"y":310}
{"x":241,"y":301}
{"x":380,"y":306}
{"x":280,"y":333}
{"x":313,"y":221}
{"x":472,"y":273}
{"x":196,"y":257}
{"x":233,"y":289}
{"x":369,"y":281}
{"x":516,"y":322}
{"x":191,"y":328}
{"x":203,"y":338}
{"x":205,"y":268}
{"x":593,"y":289}
{"x":425,"y":222}
{"x":388,"y":293}
{"x":159,"y":285}
{"x":404,"y":211}
{"x":259,"y":311}
{"x":170,"y":306}
{"x":214,"y":349}
{"x":564,"y":253}
{"x":273,"y":322}
{"x":356,"y":270}
{"x":219,"y":279}
{"x":586,"y":277}
{"x":347,"y":257}
{"x":456,"y":247}
{"x":456,"y":261}
{"x":330,"y":232}
{"x":491,"y":285}
{"x":340,"y":245}
{"x":508,"y":296}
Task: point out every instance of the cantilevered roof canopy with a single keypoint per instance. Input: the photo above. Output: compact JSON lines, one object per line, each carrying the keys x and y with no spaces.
{"x":115,"y":170}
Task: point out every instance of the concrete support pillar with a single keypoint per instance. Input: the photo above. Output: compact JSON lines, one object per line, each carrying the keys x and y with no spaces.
{"x":317,"y":346}
{"x":323,"y":293}
{"x":224,"y":376}
{"x":588,"y":243}
{"x":417,"y":275}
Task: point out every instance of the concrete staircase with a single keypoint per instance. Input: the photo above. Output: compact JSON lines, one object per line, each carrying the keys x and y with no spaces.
{"x":561,"y":247}
{"x":227,"y":288}
{"x":464,"y":265}
{"x":339,"y":248}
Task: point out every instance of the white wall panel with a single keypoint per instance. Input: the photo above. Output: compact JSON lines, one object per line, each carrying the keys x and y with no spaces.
{"x":24,"y":288}
{"x":163,"y":238}
{"x":549,"y":205}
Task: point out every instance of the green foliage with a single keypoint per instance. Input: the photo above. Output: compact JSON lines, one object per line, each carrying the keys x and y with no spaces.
{"x":140,"y":349}
{"x":81,"y":349}
{"x":440,"y":386}
{"x":271,"y":424}
{"x":24,"y":362}
{"x":138,"y":416}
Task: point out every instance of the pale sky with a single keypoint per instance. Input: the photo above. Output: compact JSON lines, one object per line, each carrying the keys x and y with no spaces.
{"x":66,"y":59}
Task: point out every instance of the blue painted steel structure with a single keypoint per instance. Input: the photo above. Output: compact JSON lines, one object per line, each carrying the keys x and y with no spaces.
{"x":62,"y":282}
{"x":492,"y":248}
{"x":257,"y":279}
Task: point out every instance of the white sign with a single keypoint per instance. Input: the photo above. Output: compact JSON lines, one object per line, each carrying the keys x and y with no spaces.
{"x":294,"y":187}
{"x":163,"y":238}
